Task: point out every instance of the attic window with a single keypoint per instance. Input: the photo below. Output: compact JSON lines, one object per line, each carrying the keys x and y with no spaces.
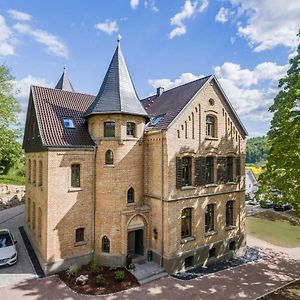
{"x":69,"y":123}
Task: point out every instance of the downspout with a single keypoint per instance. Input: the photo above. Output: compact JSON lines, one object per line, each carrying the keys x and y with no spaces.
{"x":162,"y":198}
{"x":94,"y":204}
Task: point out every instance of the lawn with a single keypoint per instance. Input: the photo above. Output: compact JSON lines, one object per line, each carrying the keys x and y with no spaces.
{"x":276,"y":232}
{"x":12,"y":179}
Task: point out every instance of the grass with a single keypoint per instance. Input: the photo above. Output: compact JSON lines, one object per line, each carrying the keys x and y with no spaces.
{"x":12,"y":179}
{"x":280,"y":233}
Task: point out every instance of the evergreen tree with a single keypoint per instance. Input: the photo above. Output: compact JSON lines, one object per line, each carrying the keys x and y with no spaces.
{"x":282,"y":171}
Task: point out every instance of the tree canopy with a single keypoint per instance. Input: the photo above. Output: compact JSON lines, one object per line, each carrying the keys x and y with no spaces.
{"x":282,"y":171}
{"x":10,"y":148}
{"x":257,"y":150}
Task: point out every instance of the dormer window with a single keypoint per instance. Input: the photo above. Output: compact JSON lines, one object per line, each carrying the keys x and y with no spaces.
{"x":69,"y":123}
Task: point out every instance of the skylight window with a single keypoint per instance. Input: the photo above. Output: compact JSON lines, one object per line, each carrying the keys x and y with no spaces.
{"x":155,"y":120}
{"x":69,"y":123}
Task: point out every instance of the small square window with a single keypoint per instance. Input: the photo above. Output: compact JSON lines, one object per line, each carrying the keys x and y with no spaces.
{"x":69,"y":123}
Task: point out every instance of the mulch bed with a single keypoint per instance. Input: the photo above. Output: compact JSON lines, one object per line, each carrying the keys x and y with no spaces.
{"x":111,"y":285}
{"x":273,"y":216}
{"x":289,"y":292}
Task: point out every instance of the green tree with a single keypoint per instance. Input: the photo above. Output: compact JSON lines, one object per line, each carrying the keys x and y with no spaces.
{"x":10,"y":148}
{"x":282,"y":171}
{"x":257,"y":150}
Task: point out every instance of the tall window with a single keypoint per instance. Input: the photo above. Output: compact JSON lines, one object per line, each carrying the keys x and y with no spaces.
{"x":29,"y":170}
{"x":130,"y":195}
{"x":209,"y":170}
{"x":105,"y":244}
{"x":40,"y":173}
{"x":34,"y":172}
{"x":109,"y":129}
{"x":39,"y":226}
{"x":210,"y":218}
{"x":33,"y":215}
{"x":75,"y":175}
{"x":28,"y":212}
{"x":79,"y":235}
{"x":211,"y":126}
{"x":229,"y":213}
{"x":186,"y":171}
{"x":186,"y":222}
{"x":131,"y":129}
{"x":229,"y":169}
{"x":109,"y":157}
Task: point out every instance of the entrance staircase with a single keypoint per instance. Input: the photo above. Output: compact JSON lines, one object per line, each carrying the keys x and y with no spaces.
{"x":147,"y":271}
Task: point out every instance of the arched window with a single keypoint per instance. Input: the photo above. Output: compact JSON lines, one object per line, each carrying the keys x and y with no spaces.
{"x":109,"y":157}
{"x":211,"y":126}
{"x":79,"y":235}
{"x":39,"y":226}
{"x":229,"y":213}
{"x":105,"y":244}
{"x":28,"y":211}
{"x":34,"y":172}
{"x":33,"y":215}
{"x":131,"y":129}
{"x":186,"y":222}
{"x":40,"y":173}
{"x":109,"y":129}
{"x":29,"y":170}
{"x":130,"y":195}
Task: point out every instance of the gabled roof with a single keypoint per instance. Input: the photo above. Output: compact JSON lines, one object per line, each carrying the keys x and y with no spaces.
{"x":64,"y":82}
{"x":170,"y":103}
{"x":117,"y":93}
{"x":52,"y":106}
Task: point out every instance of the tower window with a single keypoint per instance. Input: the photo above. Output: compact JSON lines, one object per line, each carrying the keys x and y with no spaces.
{"x":130,"y":195}
{"x":131,"y":129}
{"x":109,"y":129}
{"x":109,"y":157}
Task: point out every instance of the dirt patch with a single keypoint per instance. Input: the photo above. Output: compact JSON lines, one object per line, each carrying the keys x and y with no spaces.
{"x":279,"y":216}
{"x":289,"y":292}
{"x":111,"y":285}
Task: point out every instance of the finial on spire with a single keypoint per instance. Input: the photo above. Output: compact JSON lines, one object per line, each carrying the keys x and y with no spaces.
{"x":65,"y":68}
{"x":119,"y":38}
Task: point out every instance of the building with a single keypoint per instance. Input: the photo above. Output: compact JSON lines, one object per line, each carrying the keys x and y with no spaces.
{"x":113,"y":175}
{"x":251,"y":183}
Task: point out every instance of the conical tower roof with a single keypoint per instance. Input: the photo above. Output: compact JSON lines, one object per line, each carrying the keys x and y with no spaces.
{"x":117,"y":93}
{"x":64,"y":82}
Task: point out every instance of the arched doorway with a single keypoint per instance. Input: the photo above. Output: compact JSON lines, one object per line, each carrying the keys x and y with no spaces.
{"x":136,"y":236}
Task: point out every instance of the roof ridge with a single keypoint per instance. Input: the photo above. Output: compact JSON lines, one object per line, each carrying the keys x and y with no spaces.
{"x":62,"y":91}
{"x":178,"y":86}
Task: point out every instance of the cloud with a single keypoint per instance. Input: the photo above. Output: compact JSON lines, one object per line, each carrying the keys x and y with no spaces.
{"x":53,"y":43}
{"x":251,"y":92}
{"x":268,"y":23}
{"x":6,"y":46}
{"x":134,"y":4}
{"x":108,"y":26}
{"x":23,"y":88}
{"x":222,"y":16}
{"x":19,"y":15}
{"x":169,"y":84}
{"x":152,"y":5}
{"x":188,"y":10}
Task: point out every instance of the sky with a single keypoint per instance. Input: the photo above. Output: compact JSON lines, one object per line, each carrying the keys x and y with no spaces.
{"x":247,"y":44}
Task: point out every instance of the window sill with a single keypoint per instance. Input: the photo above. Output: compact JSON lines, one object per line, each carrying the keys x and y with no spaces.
{"x":210,"y":233}
{"x":82,"y":243}
{"x":188,"y":187}
{"x":231,"y":183}
{"x":230,"y":228}
{"x":109,"y":166}
{"x":210,"y":138}
{"x":131,"y":204}
{"x":211,"y":185}
{"x":187,"y":239}
{"x":73,"y":189}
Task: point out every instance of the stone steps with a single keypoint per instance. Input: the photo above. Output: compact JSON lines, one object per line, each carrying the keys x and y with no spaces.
{"x":153,"y":277}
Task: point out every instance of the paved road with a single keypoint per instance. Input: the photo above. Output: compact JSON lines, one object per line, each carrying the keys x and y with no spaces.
{"x":12,"y":219}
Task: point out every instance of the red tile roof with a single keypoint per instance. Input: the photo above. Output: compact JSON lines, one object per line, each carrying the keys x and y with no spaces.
{"x":52,"y":105}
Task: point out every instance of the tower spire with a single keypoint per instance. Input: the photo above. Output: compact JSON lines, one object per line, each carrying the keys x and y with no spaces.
{"x":64,"y":82}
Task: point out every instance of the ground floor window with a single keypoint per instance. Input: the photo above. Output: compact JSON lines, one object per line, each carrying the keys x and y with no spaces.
{"x":186,"y":222}
{"x":189,"y":262}
{"x":79,"y":235}
{"x":229,"y":213}
{"x":209,"y":218}
{"x":105,"y":244}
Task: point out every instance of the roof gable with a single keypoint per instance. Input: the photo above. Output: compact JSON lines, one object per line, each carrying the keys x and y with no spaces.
{"x":117,"y":93}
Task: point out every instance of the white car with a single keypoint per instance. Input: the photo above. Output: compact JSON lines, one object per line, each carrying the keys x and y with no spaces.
{"x":8,"y":250}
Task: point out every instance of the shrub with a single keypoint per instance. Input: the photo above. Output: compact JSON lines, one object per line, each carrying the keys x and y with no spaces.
{"x":119,"y":275}
{"x":72,"y":270}
{"x":100,"y":281}
{"x":95,"y":265}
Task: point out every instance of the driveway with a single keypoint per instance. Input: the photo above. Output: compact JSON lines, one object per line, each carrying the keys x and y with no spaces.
{"x":13,"y":218}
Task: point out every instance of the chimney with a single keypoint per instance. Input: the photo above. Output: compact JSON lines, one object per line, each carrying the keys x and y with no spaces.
{"x":159,"y":91}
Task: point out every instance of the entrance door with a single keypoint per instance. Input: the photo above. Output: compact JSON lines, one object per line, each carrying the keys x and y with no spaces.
{"x":136,"y":242}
